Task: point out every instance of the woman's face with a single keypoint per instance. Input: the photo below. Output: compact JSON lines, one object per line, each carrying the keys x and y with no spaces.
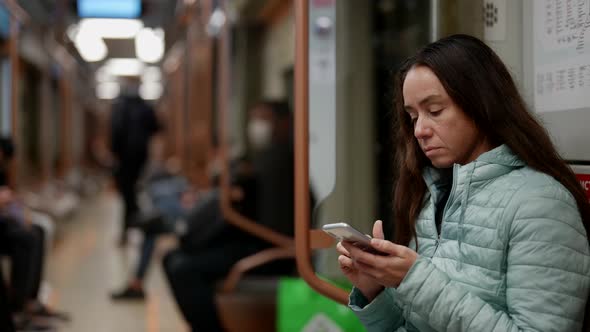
{"x":444,"y":132}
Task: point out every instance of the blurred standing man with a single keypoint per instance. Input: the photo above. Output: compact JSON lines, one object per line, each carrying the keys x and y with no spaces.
{"x":133,"y":123}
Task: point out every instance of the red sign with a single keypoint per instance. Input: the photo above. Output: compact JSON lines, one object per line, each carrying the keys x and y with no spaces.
{"x":585,"y":182}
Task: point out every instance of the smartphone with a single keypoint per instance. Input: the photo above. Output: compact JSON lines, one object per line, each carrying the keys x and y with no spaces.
{"x":344,"y":232}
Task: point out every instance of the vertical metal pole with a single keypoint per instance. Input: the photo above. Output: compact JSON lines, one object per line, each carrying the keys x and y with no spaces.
{"x":14,"y":94}
{"x":222,"y":102}
{"x":434,"y":20}
{"x":45,"y":123}
{"x":65,"y":120}
{"x":302,"y":208}
{"x":187,"y":160}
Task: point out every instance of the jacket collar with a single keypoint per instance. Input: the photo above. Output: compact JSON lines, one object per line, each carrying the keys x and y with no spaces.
{"x":502,"y":155}
{"x":488,"y":165}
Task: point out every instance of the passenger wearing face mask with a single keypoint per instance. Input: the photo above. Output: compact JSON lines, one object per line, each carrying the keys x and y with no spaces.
{"x":270,"y":138}
{"x":259,"y":133}
{"x":267,"y":186}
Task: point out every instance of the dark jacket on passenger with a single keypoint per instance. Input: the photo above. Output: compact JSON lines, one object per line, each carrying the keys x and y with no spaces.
{"x":275,"y":177}
{"x":133,"y":122}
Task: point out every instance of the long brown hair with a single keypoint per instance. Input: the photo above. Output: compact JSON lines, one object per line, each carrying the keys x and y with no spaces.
{"x":479,"y":83}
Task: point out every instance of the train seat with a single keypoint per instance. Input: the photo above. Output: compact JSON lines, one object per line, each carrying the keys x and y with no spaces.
{"x":251,"y":306}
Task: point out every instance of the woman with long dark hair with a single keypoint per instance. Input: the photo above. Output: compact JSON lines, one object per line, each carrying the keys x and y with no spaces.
{"x":490,"y":224}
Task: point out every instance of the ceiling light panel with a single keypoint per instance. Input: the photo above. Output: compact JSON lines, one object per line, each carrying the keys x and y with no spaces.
{"x":111,"y":28}
{"x":124,"y":67}
{"x":149,"y":45}
{"x":109,"y":8}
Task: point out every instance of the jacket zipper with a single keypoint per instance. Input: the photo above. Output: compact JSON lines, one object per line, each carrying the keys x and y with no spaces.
{"x":438,"y":233}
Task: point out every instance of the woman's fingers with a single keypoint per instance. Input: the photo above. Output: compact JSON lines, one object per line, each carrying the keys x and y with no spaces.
{"x":362,"y":254}
{"x":377,"y":261}
{"x":350,"y":249}
{"x":346,"y":264}
{"x":380,"y":275}
{"x":345,"y":261}
{"x":388,"y":247}
{"x":341,"y":249}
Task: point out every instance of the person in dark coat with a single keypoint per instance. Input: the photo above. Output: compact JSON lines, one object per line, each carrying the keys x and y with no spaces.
{"x":133,"y":123}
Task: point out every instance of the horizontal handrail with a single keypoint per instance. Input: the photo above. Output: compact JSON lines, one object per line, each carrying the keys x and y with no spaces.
{"x":250,"y":262}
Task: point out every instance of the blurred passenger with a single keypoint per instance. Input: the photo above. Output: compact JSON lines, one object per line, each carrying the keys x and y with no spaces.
{"x":23,"y":242}
{"x":492,"y":225}
{"x":133,"y":123}
{"x":6,"y":323}
{"x":6,"y":156}
{"x":164,"y":198}
{"x":194,"y":269}
{"x":169,"y":205}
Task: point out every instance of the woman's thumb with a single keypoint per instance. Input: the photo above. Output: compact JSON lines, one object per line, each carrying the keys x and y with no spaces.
{"x":378,"y":230}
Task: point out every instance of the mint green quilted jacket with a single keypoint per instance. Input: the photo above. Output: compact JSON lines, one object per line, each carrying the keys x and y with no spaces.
{"x":512,"y":256}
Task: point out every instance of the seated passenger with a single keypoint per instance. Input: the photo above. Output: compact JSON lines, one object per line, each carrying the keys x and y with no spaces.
{"x":23,"y":242}
{"x":6,"y":323}
{"x":194,"y":269}
{"x":491,"y":224}
{"x":168,"y":205}
{"x":165,"y":197}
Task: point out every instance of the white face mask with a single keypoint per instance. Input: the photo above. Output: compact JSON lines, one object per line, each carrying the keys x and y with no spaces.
{"x":259,"y":133}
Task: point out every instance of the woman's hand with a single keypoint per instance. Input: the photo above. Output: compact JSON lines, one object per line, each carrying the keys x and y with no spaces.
{"x":365,"y":283}
{"x":389,"y":270}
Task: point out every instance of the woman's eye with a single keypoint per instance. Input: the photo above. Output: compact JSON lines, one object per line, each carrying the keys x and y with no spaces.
{"x":436,"y":111}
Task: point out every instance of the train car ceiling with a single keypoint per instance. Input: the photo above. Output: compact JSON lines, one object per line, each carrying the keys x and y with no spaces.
{"x":98,"y":34}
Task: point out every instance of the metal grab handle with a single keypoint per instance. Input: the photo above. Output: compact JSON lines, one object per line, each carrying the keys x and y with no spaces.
{"x":229,"y":213}
{"x":302,"y":232}
{"x":250,"y":262}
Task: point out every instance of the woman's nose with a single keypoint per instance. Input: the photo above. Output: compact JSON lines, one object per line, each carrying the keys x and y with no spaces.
{"x":421,"y":128}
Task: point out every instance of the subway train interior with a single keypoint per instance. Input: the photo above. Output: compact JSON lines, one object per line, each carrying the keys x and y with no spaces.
{"x":137,"y":191}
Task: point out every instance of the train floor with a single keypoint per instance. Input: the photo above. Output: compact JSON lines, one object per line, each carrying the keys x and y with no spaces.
{"x":86,"y":264}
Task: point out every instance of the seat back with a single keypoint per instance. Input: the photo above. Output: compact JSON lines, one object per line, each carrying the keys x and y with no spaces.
{"x":251,"y":307}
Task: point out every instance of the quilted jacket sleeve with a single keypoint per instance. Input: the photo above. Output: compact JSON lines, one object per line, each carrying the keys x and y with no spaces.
{"x":547,"y":273}
{"x":382,"y":314}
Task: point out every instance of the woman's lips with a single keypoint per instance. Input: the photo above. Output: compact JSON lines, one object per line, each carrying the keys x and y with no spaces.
{"x":430,"y":151}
